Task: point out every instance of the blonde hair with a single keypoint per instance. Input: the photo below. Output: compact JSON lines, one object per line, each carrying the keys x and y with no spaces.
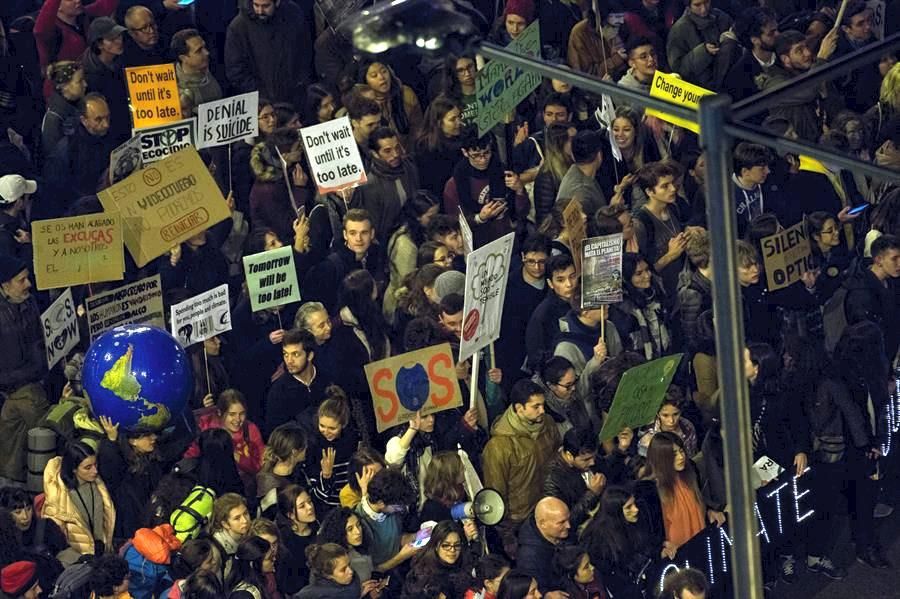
{"x":890,"y":88}
{"x":222,"y":507}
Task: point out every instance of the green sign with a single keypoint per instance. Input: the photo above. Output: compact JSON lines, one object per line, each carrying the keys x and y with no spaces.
{"x":271,"y":278}
{"x":500,"y":87}
{"x":639,"y":395}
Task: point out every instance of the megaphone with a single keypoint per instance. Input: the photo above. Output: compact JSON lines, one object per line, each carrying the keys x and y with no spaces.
{"x":487,"y":507}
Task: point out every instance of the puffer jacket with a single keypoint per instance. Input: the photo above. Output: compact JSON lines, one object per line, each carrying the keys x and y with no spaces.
{"x":58,"y":506}
{"x":148,"y":554}
{"x":515,"y":464}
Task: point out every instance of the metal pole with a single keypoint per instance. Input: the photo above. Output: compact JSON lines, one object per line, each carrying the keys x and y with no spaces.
{"x":746,"y":573}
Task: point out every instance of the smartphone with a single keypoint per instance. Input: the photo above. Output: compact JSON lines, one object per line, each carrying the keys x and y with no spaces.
{"x":185,"y":2}
{"x":857,"y":209}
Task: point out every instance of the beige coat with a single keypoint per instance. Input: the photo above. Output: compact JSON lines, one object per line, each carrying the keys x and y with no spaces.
{"x":59,"y":507}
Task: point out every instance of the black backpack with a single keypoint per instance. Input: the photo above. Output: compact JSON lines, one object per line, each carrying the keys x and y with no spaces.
{"x":73,"y":582}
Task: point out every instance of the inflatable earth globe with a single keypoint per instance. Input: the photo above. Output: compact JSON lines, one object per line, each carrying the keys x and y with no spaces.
{"x":138,"y":376}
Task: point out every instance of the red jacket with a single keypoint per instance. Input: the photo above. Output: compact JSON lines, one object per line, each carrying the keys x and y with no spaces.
{"x":248,"y":444}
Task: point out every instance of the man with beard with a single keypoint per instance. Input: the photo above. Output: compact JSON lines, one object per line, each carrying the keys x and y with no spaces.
{"x":756,"y":30}
{"x":268,"y":47}
{"x":392,"y":179}
{"x":300,"y":388}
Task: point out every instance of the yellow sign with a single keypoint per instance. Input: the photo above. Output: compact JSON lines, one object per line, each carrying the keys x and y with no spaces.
{"x":153,"y":92}
{"x":165,"y":203}
{"x":674,"y":90}
{"x":77,"y":250}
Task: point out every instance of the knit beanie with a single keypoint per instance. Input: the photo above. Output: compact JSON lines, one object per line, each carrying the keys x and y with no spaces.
{"x":10,"y":266}
{"x":18,"y":577}
{"x":522,"y":8}
{"x":449,"y":282}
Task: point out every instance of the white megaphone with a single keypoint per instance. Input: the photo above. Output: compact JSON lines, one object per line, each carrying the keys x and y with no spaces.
{"x":487,"y":507}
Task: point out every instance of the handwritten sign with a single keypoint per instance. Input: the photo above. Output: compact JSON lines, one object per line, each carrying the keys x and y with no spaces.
{"x":60,"y":323}
{"x":675,"y":90}
{"x":639,"y":395}
{"x":163,"y":141}
{"x":601,"y":279}
{"x":487,"y":269}
{"x":574,"y":223}
{"x":424,"y":380}
{"x":500,"y":87}
{"x":227,"y":120}
{"x":271,"y":278}
{"x":136,"y":303}
{"x":77,"y":250}
{"x":787,"y":255}
{"x":333,"y":155}
{"x":125,"y":159}
{"x":203,"y":316}
{"x":153,"y":91}
{"x":878,"y":16}
{"x":165,"y":203}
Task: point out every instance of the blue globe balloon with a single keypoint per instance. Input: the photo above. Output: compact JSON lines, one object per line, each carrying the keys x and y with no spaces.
{"x":138,"y":376}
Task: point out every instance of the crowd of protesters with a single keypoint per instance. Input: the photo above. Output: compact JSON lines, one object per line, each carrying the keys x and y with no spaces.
{"x":287,"y":486}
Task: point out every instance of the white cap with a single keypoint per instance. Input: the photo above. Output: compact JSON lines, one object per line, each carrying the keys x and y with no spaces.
{"x":13,"y":187}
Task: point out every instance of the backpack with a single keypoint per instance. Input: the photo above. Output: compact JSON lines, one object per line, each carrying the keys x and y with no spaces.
{"x":828,"y":442}
{"x":834,"y":317}
{"x":73,"y":582}
{"x":189,"y":518}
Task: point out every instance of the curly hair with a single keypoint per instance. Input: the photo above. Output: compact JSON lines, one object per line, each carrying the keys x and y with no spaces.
{"x":334,"y":529}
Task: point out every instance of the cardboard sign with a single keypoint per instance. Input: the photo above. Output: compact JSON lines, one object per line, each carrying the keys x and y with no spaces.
{"x":639,"y":395}
{"x":201,"y":317}
{"x":77,"y":250}
{"x":136,"y":303}
{"x":787,"y":255}
{"x":271,"y":278}
{"x":165,"y":203}
{"x":61,"y":334}
{"x":163,"y":141}
{"x":422,"y":380}
{"x":227,"y":120}
{"x":487,"y":270}
{"x":601,"y":279}
{"x":125,"y":159}
{"x":675,"y":90}
{"x":573,"y":221}
{"x":333,"y":155}
{"x":153,"y":92}
{"x":500,"y":87}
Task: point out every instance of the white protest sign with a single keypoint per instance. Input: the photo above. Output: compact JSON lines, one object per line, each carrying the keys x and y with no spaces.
{"x":161,"y":142}
{"x":271,"y":278}
{"x":136,"y":303}
{"x":606,"y":114}
{"x":333,"y":155}
{"x":60,"y":324}
{"x":227,"y":120}
{"x":466,"y":230}
{"x":487,"y":269}
{"x":125,"y":159}
{"x":878,"y":12}
{"x":203,"y":316}
{"x":765,"y":470}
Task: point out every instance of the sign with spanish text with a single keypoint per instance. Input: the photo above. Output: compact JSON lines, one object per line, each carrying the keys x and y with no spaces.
{"x":125,"y":159}
{"x":136,"y":303}
{"x":78,"y":250}
{"x":271,"y":278}
{"x":203,"y":316}
{"x":601,"y":279}
{"x":165,"y":203}
{"x":639,"y":395}
{"x":487,"y":269}
{"x":227,"y":120}
{"x":60,"y":324}
{"x":333,"y":155}
{"x":163,"y":141}
{"x":786,"y":255}
{"x":418,"y":381}
{"x":500,"y":87}
{"x":153,"y":92}
{"x":673,"y":89}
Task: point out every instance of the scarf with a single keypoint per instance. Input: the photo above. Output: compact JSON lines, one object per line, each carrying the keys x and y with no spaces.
{"x":226,"y":541}
{"x":652,"y":333}
{"x":706,"y":26}
{"x":532,"y":429}
{"x":464,"y":172}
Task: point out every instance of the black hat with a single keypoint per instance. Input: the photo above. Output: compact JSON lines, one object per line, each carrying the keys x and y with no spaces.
{"x":10,"y":266}
{"x":105,"y":28}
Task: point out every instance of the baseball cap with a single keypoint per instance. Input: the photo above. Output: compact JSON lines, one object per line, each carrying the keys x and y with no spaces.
{"x":103,"y":27}
{"x":13,"y":187}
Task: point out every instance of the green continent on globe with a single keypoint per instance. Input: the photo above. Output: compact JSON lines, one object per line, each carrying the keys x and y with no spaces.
{"x":119,"y":379}
{"x":155,"y":420}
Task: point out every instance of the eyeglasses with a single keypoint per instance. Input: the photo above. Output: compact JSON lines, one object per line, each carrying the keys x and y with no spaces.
{"x":148,"y":28}
{"x":483,"y":155}
{"x":464,"y":70}
{"x":531,"y":262}
{"x":451,"y":546}
{"x":567,"y":386}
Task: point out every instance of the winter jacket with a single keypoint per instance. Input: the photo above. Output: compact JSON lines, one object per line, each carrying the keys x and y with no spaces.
{"x":653,"y":25}
{"x":686,"y":47}
{"x":58,"y":506}
{"x":274,"y":57}
{"x":198,"y":270}
{"x":22,"y":360}
{"x":495,"y":228}
{"x":60,"y":120}
{"x":319,"y":588}
{"x":576,"y":341}
{"x":589,"y":53}
{"x":110,"y":81}
{"x":800,"y":105}
{"x":248,"y":444}
{"x":270,"y":205}
{"x":740,"y":80}
{"x":833,"y":412}
{"x":693,"y":300}
{"x":435,"y":165}
{"x":288,"y":398}
{"x":402,"y":254}
{"x":515,"y":463}
{"x":198,"y":89}
{"x":543,"y":329}
{"x":535,"y":556}
{"x":385,"y":192}
{"x":519,"y":303}
{"x":567,"y":484}
{"x":76,"y":166}
{"x":860,"y":88}
{"x":879,"y":301}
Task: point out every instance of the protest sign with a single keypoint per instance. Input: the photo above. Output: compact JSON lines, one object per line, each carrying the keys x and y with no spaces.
{"x":675,"y":90}
{"x":787,"y":255}
{"x":163,"y":141}
{"x":574,"y":223}
{"x":136,"y":303}
{"x":227,"y":120}
{"x":466,"y":231}
{"x":333,"y":155}
{"x":77,"y":250}
{"x":878,"y":11}
{"x":487,"y":269}
{"x":153,"y":91}
{"x":422,"y":380}
{"x":606,"y":114}
{"x":165,"y":203}
{"x":601,"y":279}
{"x":125,"y":159}
{"x":271,"y":278}
{"x":60,"y":322}
{"x":499,"y":87}
{"x":203,"y":316}
{"x":639,"y":395}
